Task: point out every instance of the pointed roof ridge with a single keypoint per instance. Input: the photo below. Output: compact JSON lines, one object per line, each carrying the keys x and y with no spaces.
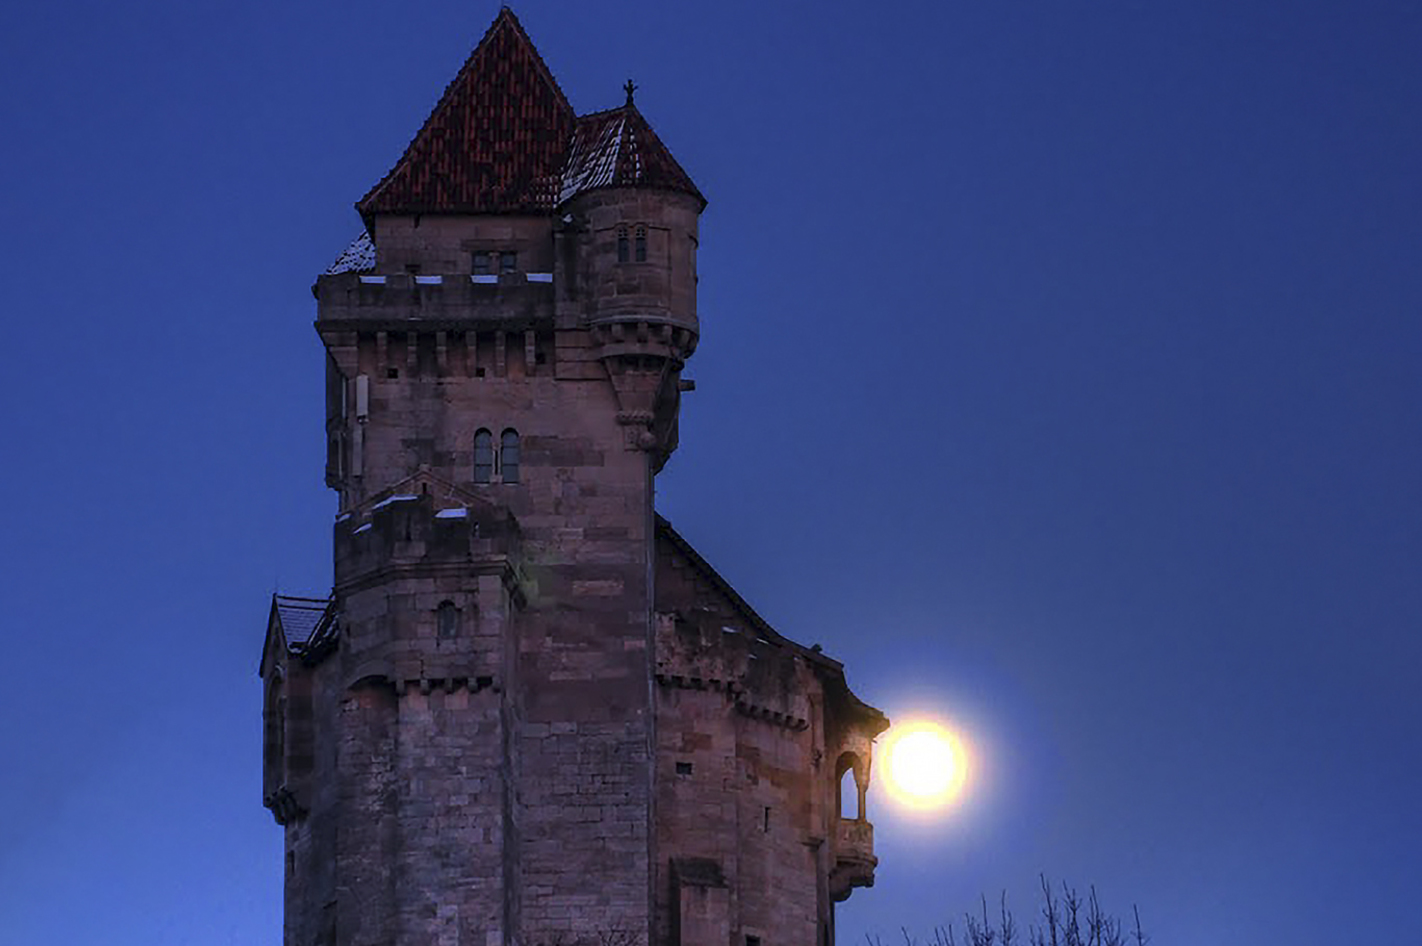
{"x":498,"y":172}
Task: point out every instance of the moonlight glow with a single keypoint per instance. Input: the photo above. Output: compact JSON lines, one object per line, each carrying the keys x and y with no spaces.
{"x":924,"y":764}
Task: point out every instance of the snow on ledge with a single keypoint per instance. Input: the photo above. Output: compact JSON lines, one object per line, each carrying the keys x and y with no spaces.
{"x":393,"y":499}
{"x":459,"y":513}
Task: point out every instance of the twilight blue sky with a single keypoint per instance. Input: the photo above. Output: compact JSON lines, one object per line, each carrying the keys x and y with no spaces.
{"x":1059,"y":373}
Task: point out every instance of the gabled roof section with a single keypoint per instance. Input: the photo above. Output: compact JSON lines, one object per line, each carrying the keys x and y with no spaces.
{"x":617,"y":148}
{"x":747,"y":613}
{"x":296,"y":624}
{"x":495,"y":143}
{"x":830,"y":670}
{"x":299,"y":617}
{"x":423,"y":483}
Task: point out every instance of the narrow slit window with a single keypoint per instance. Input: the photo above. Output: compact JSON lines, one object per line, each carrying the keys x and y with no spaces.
{"x":447,"y":619}
{"x":641,"y":244}
{"x":622,"y":245}
{"x":483,"y":457}
{"x":508,"y":456}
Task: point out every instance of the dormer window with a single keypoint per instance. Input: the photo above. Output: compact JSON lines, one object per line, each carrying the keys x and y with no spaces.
{"x":622,"y":245}
{"x":641,"y":244}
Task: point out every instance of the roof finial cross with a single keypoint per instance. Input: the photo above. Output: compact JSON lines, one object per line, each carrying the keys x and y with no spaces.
{"x":629,"y":88}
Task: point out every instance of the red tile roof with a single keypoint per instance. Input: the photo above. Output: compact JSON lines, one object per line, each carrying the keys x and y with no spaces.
{"x":495,"y":142}
{"x":504,"y":139}
{"x":617,"y":148}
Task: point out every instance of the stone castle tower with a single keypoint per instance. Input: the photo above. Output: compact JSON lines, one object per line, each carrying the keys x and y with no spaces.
{"x":529,"y":712}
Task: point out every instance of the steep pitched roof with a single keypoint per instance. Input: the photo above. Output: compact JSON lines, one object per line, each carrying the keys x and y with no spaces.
{"x":296,"y":625}
{"x":495,"y":143}
{"x":299,"y":617}
{"x":617,"y":148}
{"x":831,"y":670}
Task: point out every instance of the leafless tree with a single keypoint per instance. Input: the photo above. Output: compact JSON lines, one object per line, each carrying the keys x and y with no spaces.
{"x":1067,"y":919}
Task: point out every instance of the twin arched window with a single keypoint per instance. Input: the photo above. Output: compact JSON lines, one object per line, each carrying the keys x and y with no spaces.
{"x":496,"y":466}
{"x":635,"y":248}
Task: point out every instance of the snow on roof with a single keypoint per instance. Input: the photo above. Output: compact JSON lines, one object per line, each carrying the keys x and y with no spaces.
{"x":617,"y":148}
{"x":459,"y":513}
{"x":359,"y":257}
{"x":393,"y":499}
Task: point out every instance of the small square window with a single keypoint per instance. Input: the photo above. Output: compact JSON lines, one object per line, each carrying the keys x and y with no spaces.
{"x":392,"y":372}
{"x":683,"y":768}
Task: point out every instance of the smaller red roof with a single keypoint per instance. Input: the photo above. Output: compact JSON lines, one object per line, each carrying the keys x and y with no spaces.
{"x":617,"y":148}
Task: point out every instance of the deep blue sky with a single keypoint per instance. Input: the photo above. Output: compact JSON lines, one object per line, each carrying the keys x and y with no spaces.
{"x":1059,"y":372}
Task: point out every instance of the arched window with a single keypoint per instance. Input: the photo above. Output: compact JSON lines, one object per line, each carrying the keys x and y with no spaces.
{"x":851,"y":792}
{"x":508,"y":456}
{"x":483,"y":457}
{"x":848,"y":796}
{"x":622,"y":244}
{"x":447,"y":619}
{"x":641,"y":244}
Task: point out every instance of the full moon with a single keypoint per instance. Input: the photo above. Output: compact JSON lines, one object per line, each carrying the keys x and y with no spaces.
{"x":925,"y":765}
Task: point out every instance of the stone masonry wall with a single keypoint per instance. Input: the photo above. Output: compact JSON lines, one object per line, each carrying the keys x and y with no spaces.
{"x":742,"y":781}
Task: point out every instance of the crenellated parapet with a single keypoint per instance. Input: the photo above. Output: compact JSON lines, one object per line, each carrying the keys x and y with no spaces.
{"x":368,"y":301}
{"x":429,"y":576}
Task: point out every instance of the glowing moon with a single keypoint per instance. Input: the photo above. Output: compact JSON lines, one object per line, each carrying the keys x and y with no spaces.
{"x":925,"y":765}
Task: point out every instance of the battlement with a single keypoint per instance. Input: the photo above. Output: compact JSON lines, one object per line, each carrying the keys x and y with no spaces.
{"x":373,"y":300}
{"x":408,"y":532}
{"x":764,"y":679}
